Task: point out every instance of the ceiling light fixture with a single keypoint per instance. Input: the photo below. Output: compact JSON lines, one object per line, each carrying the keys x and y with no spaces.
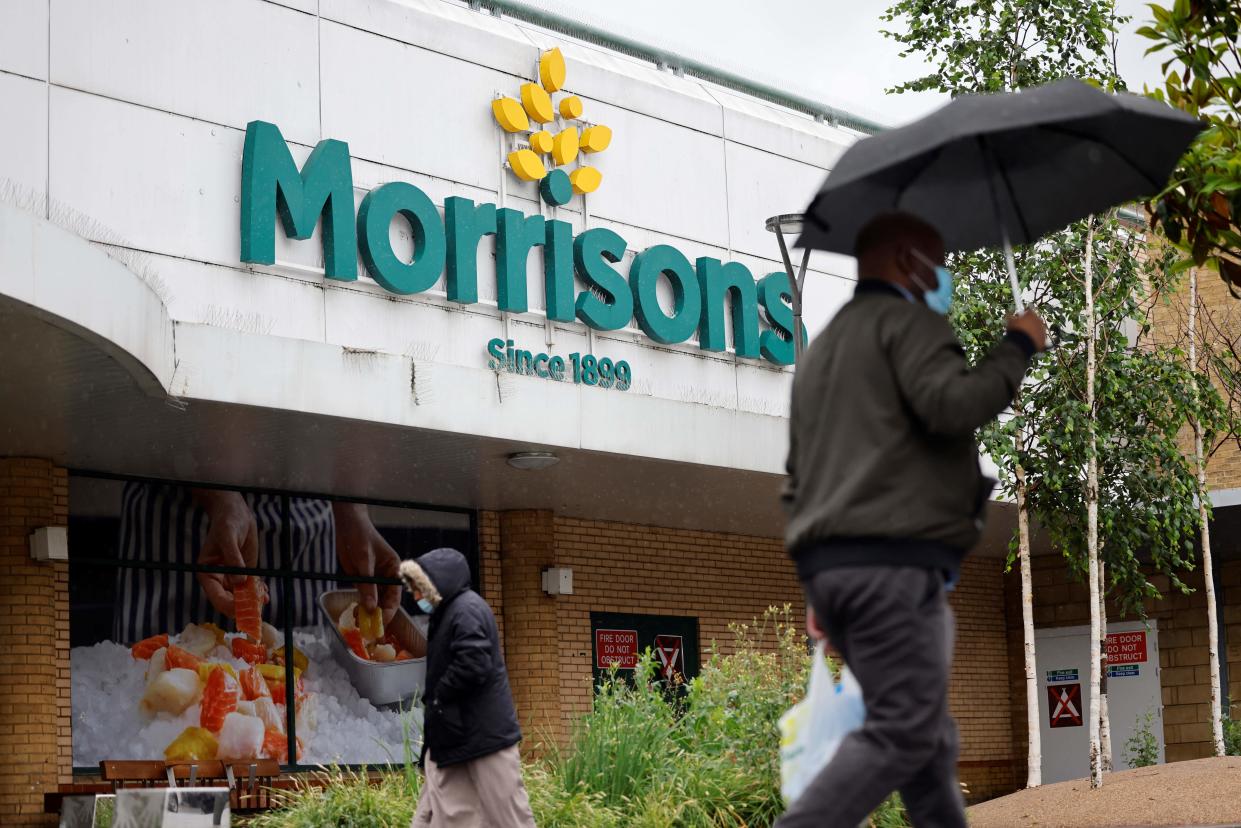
{"x":532,"y":460}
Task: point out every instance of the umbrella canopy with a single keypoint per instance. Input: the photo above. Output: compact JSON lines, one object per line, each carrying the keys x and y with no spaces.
{"x":986,"y":169}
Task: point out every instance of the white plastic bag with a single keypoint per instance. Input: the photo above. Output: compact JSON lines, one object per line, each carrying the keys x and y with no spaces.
{"x":812,"y":729}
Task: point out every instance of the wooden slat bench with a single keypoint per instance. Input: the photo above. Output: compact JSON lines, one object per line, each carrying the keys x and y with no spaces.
{"x":249,"y":780}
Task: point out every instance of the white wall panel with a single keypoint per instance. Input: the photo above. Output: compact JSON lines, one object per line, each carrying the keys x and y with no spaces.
{"x":23,"y":142}
{"x":408,"y":107}
{"x":447,"y":28}
{"x":780,"y":131}
{"x":237,"y":299}
{"x":635,"y":85}
{"x":154,"y":181}
{"x":761,"y":185}
{"x":23,"y":37}
{"x":660,"y":176}
{"x":306,"y":6}
{"x":227,"y":61}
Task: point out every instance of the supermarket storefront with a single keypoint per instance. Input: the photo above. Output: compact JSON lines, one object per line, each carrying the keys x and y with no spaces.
{"x":314,"y":292}
{"x":362,"y":279}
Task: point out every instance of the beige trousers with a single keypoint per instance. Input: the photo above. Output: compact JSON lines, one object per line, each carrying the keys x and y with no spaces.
{"x":485,"y":793}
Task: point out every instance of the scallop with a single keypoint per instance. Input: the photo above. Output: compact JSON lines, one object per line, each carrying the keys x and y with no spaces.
{"x":157,"y":664}
{"x":241,"y":737}
{"x":172,"y":691}
{"x":197,"y":640}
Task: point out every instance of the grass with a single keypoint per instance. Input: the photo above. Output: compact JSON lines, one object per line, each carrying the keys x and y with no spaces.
{"x":704,"y":755}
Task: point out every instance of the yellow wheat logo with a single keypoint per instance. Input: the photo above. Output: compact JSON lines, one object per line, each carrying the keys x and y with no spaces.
{"x":532,"y":115}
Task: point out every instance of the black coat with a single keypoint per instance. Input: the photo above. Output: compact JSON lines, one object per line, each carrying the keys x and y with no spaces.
{"x":469,"y":706}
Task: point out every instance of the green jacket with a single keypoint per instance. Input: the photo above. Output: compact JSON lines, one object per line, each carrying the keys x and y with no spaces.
{"x":883,"y":464}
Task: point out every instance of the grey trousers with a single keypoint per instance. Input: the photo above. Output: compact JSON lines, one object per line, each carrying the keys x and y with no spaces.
{"x":485,"y":793}
{"x":894,"y":629}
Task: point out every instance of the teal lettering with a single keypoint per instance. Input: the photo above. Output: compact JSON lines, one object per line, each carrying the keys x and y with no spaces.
{"x":525,"y":362}
{"x":495,"y":349}
{"x":516,"y":234}
{"x":558,"y":271}
{"x":592,"y":253}
{"x":776,"y":298}
{"x":271,"y":183}
{"x":374,"y":219}
{"x":556,"y":368}
{"x":719,"y":283}
{"x":466,"y":226}
{"x":539,"y":362}
{"x":644,"y":276}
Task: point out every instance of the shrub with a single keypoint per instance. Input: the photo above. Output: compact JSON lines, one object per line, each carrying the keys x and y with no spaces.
{"x":647,"y":755}
{"x":1232,"y":736}
{"x":1142,"y":749}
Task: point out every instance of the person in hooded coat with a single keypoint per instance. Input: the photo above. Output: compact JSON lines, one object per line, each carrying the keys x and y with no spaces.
{"x":470,"y":732}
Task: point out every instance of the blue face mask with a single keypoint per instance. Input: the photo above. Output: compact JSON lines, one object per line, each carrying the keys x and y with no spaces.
{"x":426,"y":606}
{"x":939,"y":299}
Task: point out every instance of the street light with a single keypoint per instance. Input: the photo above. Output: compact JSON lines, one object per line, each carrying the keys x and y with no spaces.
{"x":791,"y":223}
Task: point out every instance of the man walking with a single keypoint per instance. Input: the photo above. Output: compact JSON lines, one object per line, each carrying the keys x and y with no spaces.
{"x":470,"y":733}
{"x":885,"y":497}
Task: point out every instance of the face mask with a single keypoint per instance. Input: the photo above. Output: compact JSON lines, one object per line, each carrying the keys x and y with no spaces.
{"x":426,"y":606}
{"x":939,"y":299}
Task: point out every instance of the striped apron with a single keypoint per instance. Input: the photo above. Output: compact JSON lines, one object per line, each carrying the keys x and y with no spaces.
{"x":161,"y":522}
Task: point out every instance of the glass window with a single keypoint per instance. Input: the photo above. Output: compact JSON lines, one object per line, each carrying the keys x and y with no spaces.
{"x":184,"y":601}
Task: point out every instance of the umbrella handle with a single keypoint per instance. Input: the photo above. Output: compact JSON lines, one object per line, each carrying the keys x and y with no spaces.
{"x":1012,"y":270}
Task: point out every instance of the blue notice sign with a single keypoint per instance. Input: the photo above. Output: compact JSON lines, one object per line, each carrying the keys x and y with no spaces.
{"x":1055,"y":676}
{"x":1122,"y":671}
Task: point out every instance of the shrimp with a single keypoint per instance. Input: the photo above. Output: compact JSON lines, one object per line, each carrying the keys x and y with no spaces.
{"x":276,"y":745}
{"x":220,"y":698}
{"x":147,"y":646}
{"x":353,"y":638}
{"x":253,"y":685}
{"x":248,"y":651}
{"x":177,"y":657}
{"x":249,"y":599}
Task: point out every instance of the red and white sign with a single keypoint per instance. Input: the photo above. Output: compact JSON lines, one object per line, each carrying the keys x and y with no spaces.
{"x":670,"y":653}
{"x":1065,"y":705}
{"x":1126,"y":647}
{"x":616,"y":648}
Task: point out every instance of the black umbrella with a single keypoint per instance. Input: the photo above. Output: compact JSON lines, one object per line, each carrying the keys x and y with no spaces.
{"x":985,"y":170}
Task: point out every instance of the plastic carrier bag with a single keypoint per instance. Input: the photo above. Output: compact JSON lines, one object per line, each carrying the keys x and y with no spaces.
{"x":812,"y":730}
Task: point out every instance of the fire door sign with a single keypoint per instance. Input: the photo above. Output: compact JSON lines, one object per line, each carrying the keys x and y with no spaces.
{"x":1126,"y":647}
{"x":1065,"y":705}
{"x":621,"y":639}
{"x":616,"y":648}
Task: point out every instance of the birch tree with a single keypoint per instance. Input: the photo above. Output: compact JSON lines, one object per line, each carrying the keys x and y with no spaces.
{"x":1201,"y":213}
{"x":990,"y":47}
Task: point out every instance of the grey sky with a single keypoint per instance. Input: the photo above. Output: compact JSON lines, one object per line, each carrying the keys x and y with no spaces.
{"x":827,"y":50}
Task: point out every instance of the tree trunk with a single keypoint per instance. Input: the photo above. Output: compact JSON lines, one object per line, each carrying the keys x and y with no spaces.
{"x":1034,"y":757}
{"x":1208,"y":574}
{"x":1092,"y":518}
{"x":1105,"y":724}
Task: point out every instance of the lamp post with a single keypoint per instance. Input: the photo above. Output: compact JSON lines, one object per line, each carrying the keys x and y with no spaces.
{"x":791,"y":223}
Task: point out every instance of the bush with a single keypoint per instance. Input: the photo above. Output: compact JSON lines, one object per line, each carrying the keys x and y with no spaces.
{"x":1232,"y":736}
{"x":1142,"y":749}
{"x":704,"y":755}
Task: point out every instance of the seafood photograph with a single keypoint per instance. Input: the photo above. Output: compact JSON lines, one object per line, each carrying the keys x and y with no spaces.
{"x":198,"y":665}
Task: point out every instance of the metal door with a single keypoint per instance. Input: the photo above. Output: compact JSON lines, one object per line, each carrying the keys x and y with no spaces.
{"x":1062,"y":657}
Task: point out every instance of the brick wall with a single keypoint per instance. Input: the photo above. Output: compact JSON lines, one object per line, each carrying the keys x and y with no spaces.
{"x":979,"y":693}
{"x":490,"y":574}
{"x":527,"y":545}
{"x":721,"y":579}
{"x":35,"y":715}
